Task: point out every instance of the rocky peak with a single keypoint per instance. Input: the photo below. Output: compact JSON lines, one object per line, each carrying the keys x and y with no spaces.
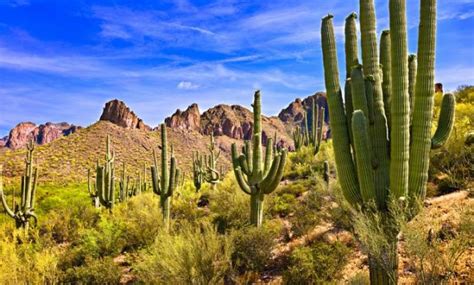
{"x":117,"y":112}
{"x":294,"y":113}
{"x":190,"y":119}
{"x":22,"y":133}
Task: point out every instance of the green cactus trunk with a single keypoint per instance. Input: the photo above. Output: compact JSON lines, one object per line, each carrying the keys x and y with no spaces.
{"x":256,"y":209}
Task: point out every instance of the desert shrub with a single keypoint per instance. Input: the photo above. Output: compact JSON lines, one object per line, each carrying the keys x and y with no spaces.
{"x":361,"y":278}
{"x":282,"y":205}
{"x":307,"y":214}
{"x":317,"y":263}
{"x":194,"y":255}
{"x":24,"y":262}
{"x":253,"y":246}
{"x":138,"y":221}
{"x":229,"y":206}
{"x":304,"y":163}
{"x":435,"y":248}
{"x":341,"y":213}
{"x":453,"y":162}
{"x":185,"y":203}
{"x":94,"y":271}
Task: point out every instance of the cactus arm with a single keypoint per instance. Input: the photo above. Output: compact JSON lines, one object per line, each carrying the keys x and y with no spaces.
{"x":247,"y":151}
{"x":445,"y":121}
{"x":320,"y":132}
{"x":101,"y":185}
{"x":359,"y":97}
{"x":342,"y":152}
{"x":278,"y":175}
{"x":243,"y":162}
{"x":155,"y":181}
{"x":268,"y":156}
{"x":2,"y":195}
{"x":272,"y":173}
{"x":241,"y":181}
{"x":363,"y":155}
{"x":412,"y":64}
{"x":172,"y":180}
{"x":400,"y":108}
{"x":369,"y":92}
{"x":423,"y":114}
{"x":33,"y":189}
{"x":348,"y":106}
{"x":351,"y":49}
{"x":386,"y":62}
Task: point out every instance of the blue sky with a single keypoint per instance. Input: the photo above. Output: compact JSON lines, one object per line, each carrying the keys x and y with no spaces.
{"x":62,"y":60}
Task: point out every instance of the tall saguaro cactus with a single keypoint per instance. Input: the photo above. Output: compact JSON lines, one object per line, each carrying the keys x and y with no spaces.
{"x":255,"y":174}
{"x":165,"y":184}
{"x":25,"y":211}
{"x":389,"y":114}
{"x":104,"y":187}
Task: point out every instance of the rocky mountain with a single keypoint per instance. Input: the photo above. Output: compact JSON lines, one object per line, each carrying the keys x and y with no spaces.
{"x":233,"y":121}
{"x":189,"y":119}
{"x":117,"y":112}
{"x":22,"y":133}
{"x":294,"y":113}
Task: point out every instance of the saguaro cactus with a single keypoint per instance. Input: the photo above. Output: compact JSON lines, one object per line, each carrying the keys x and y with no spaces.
{"x":310,"y":136}
{"x":198,"y":171}
{"x":257,"y":176}
{"x":205,"y":166}
{"x":373,"y":167}
{"x":124,"y":185}
{"x":93,"y":194}
{"x":165,"y":184}
{"x":104,"y":187}
{"x":25,"y":211}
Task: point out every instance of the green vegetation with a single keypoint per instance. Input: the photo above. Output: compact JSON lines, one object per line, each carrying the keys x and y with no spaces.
{"x":372,"y":171}
{"x":262,"y":176}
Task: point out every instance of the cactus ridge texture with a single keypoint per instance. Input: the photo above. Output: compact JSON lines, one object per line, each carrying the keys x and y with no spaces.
{"x":312,"y":132}
{"x":24,"y":212}
{"x":205,"y":166}
{"x":102,"y":191}
{"x":382,"y":131}
{"x":255,"y":174}
{"x":165,"y":183}
{"x":128,"y":187}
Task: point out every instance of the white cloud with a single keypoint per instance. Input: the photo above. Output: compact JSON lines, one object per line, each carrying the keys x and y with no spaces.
{"x":187,"y":85}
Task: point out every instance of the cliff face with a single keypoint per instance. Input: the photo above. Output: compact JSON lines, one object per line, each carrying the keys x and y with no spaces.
{"x":190,"y":119}
{"x":40,"y":134}
{"x":294,"y":113}
{"x":117,"y":112}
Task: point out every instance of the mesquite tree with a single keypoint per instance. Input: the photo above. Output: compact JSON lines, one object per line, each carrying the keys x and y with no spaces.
{"x":255,"y":174}
{"x":382,"y":134}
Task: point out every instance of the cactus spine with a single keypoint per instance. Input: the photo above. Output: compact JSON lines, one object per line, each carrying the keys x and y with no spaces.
{"x":365,"y":171}
{"x":258,"y":176}
{"x":165,"y":184}
{"x":23,"y":213}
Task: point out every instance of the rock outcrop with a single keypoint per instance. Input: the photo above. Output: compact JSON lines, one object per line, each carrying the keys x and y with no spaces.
{"x":22,"y":133}
{"x":117,"y":112}
{"x":3,"y":141}
{"x":190,"y":119}
{"x":294,"y":113}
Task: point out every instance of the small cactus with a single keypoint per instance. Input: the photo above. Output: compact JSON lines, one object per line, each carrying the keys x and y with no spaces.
{"x":310,"y":136}
{"x":104,"y":187}
{"x":23,"y":213}
{"x":205,"y":167}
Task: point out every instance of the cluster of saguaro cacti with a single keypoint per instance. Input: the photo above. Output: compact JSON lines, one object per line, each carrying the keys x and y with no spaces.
{"x":129,"y":188}
{"x":25,"y":211}
{"x":255,"y":174}
{"x":205,"y":166}
{"x":104,"y":187}
{"x":310,"y":136}
{"x":382,"y":135}
{"x":165,"y":184}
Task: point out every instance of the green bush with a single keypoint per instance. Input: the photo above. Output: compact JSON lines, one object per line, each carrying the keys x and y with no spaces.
{"x":307,"y":214}
{"x":94,"y":271}
{"x":194,"y":255}
{"x":253,"y":246}
{"x":316,"y":264}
